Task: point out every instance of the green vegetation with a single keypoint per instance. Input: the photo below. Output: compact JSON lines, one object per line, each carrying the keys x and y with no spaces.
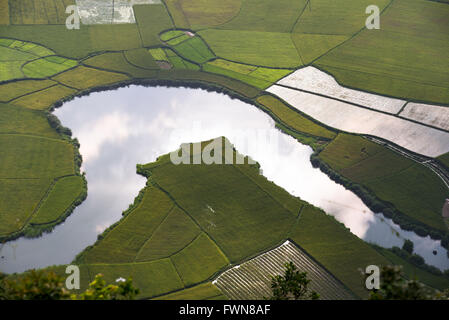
{"x":179,"y":63}
{"x":15,"y":120}
{"x":176,"y":13}
{"x":39,"y":11}
{"x":151,"y":20}
{"x":19,"y":198}
{"x":336,"y":18}
{"x":334,"y":247}
{"x":124,"y":243}
{"x":11,"y":90}
{"x":293,"y":285}
{"x":312,"y":46}
{"x":251,"y":47}
{"x":202,"y":13}
{"x":413,"y":272}
{"x":386,"y":60}
{"x":258,"y":77}
{"x":175,"y":41}
{"x":111,"y":37}
{"x":293,"y":119}
{"x":29,"y":165}
{"x":158,"y":54}
{"x":194,"y":49}
{"x":84,"y":78}
{"x":199,"y":260}
{"x":193,"y":234}
{"x":140,"y":58}
{"x":117,"y":61}
{"x":205,"y":291}
{"x":42,"y":100}
{"x":209,"y":81}
{"x":393,"y":286}
{"x":48,"y":285}
{"x":444,"y":159}
{"x":176,"y":232}
{"x":16,"y":54}
{"x":46,"y":67}
{"x":410,"y":187}
{"x":30,"y":157}
{"x":172,"y":34}
{"x":4,"y":12}
{"x":268,"y":16}
{"x":184,"y":229}
{"x":59,"y":199}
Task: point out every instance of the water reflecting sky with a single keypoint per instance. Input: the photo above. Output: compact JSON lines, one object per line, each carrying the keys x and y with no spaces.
{"x":122,"y":128}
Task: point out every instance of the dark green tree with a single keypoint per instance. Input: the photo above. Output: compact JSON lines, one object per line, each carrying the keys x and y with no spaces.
{"x":99,"y":290}
{"x":408,"y":246}
{"x":293,"y":285}
{"x":47,"y":285}
{"x":34,"y":285}
{"x":394,"y":286}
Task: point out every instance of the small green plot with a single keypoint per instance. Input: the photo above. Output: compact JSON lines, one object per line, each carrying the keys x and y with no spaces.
{"x":6,"y":42}
{"x":237,"y":67}
{"x":256,"y":76}
{"x":158,"y":54}
{"x":180,"y":63}
{"x":8,"y":54}
{"x":268,"y":74}
{"x":61,"y":197}
{"x":171,"y":34}
{"x":10,"y":70}
{"x":235,"y":75}
{"x":195,"y":50}
{"x":199,"y":261}
{"x":177,"y":40}
{"x":47,"y":67}
{"x":29,"y":47}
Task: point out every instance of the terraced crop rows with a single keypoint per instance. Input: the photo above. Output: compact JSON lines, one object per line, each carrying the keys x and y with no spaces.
{"x":252,"y":279}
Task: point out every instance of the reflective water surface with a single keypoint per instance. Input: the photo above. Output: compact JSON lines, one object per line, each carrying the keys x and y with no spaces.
{"x":122,"y":128}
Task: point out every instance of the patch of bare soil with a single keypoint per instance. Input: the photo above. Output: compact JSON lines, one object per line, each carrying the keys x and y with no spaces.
{"x":164,"y":65}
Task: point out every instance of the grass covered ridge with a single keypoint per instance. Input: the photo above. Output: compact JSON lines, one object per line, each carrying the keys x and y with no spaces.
{"x":175,"y":224}
{"x":410,"y":187}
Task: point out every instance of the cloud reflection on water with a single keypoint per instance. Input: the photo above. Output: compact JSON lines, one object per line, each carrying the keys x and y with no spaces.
{"x":122,"y":128}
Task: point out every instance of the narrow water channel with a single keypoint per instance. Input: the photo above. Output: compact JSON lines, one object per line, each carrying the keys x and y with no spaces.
{"x":119,"y":129}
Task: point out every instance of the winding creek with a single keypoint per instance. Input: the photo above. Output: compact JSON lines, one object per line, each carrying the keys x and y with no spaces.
{"x":134,"y":125}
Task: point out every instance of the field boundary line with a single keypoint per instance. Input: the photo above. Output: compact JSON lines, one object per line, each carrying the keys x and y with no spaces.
{"x":177,"y":273}
{"x":361,"y":106}
{"x":386,"y":75}
{"x":154,"y":231}
{"x":296,"y":221}
{"x":30,"y":93}
{"x":188,"y":244}
{"x":263,"y":190}
{"x":221,"y":25}
{"x":45,"y":198}
{"x":352,"y":36}
{"x":307,"y":3}
{"x":134,"y":65}
{"x":322,"y":266}
{"x":191,"y":217}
